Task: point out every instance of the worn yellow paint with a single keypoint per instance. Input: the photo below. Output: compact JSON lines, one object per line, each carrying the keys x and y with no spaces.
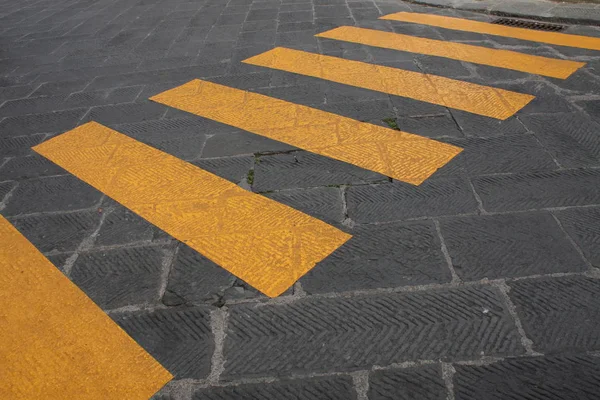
{"x":470,"y":97}
{"x":403,"y":156}
{"x":265,"y":243}
{"x":58,"y":344}
{"x":457,"y":51}
{"x":466,"y":25}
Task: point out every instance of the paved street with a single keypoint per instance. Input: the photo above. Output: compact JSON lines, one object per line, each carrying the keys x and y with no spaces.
{"x":296,"y":199}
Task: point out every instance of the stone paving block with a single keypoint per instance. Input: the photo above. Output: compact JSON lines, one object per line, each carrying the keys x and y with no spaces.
{"x":420,"y":383}
{"x":103,"y":97}
{"x":181,"y":137}
{"x":504,"y":246}
{"x":363,"y":331}
{"x":213,"y":53}
{"x":262,"y":14}
{"x":442,"y":66}
{"x":303,"y":170}
{"x":382,"y":256}
{"x":505,"y":154}
{"x":33,"y":166}
{"x":337,"y":93}
{"x":559,"y":314}
{"x":126,"y":113}
{"x":240,"y":142}
{"x":32,"y":105}
{"x":120,"y":277}
{"x":59,"y":260}
{"x":581,"y":82}
{"x":572,"y":138}
{"x":253,"y":80}
{"x":565,"y":377}
{"x":234,"y":169}
{"x":296,"y":16}
{"x":375,"y":110}
{"x":181,"y":340}
{"x":61,"y":87}
{"x":535,"y":190}
{"x":325,"y":388}
{"x":122,"y":227}
{"x":195,"y":279}
{"x":406,"y":107}
{"x":480,"y":126}
{"x":547,"y":100}
{"x":582,"y":225}
{"x":433,"y":126}
{"x":251,"y":26}
{"x":306,"y":95}
{"x":15,"y":92}
{"x":323,"y":203}
{"x":399,"y":200}
{"x":5,"y":189}
{"x":59,"y":121}
{"x":257,"y":37}
{"x":59,"y":232}
{"x":60,"y":193}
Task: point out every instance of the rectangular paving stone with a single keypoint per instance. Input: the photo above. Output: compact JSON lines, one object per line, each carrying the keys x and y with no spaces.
{"x":537,"y":190}
{"x":194,"y":279}
{"x":5,"y":189}
{"x":126,"y":113}
{"x":121,"y":226}
{"x":570,"y":137}
{"x":583,"y":225}
{"x":122,"y":277}
{"x":437,"y":126}
{"x":32,"y":105}
{"x":398,"y":200}
{"x":60,"y":232}
{"x":478,"y":126}
{"x":234,"y":169}
{"x":33,"y":166}
{"x":239,"y":143}
{"x":41,"y":123}
{"x":181,"y":340}
{"x":503,"y":154}
{"x":60,"y":193}
{"x":363,"y":331}
{"x":324,"y":203}
{"x":303,"y":170}
{"x":557,"y":377}
{"x":382,"y":256}
{"x":505,"y":246}
{"x":559,"y":314}
{"x":330,"y":388}
{"x":419,"y":383}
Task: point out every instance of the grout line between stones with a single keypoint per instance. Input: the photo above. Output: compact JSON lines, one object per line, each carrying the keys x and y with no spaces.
{"x":448,"y":372}
{"x":360,"y":379}
{"x":455,"y":278}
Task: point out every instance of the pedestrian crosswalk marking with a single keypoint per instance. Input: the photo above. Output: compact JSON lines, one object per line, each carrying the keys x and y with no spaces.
{"x":466,"y":25}
{"x":400,"y":155}
{"x":265,"y":243}
{"x":477,"y":99}
{"x":539,"y":65}
{"x":58,"y":344}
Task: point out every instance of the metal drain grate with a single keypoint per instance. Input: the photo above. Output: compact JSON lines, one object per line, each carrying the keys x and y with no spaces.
{"x":518,"y":23}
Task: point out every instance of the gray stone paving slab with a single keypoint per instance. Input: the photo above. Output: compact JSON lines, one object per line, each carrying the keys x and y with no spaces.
{"x":581,"y":224}
{"x":399,"y":200}
{"x":420,"y":383}
{"x":382,"y":257}
{"x":60,"y":232}
{"x":329,"y":388}
{"x":566,"y":377}
{"x":496,"y":246}
{"x":120,"y":277}
{"x":180,"y":339}
{"x":559,"y":314}
{"x":33,"y":166}
{"x":325,"y":203}
{"x":364,"y":331}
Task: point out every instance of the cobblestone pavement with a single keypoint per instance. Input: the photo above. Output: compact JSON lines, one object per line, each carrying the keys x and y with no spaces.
{"x":481,"y":283}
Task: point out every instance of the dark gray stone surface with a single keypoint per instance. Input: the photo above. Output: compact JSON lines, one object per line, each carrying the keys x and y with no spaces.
{"x":569,"y":377}
{"x":180,"y":339}
{"x":582,"y":225}
{"x":363,"y":331}
{"x":382,"y":256}
{"x":420,"y":383}
{"x":504,"y":246}
{"x":117,"y":278}
{"x":559,"y":314}
{"x":330,"y":388}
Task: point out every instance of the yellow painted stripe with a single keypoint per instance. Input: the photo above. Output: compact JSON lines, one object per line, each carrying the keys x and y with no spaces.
{"x":58,"y":344}
{"x":457,"y":51}
{"x":560,"y":39}
{"x":265,"y":243}
{"x":403,"y":156}
{"x":477,"y":99}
